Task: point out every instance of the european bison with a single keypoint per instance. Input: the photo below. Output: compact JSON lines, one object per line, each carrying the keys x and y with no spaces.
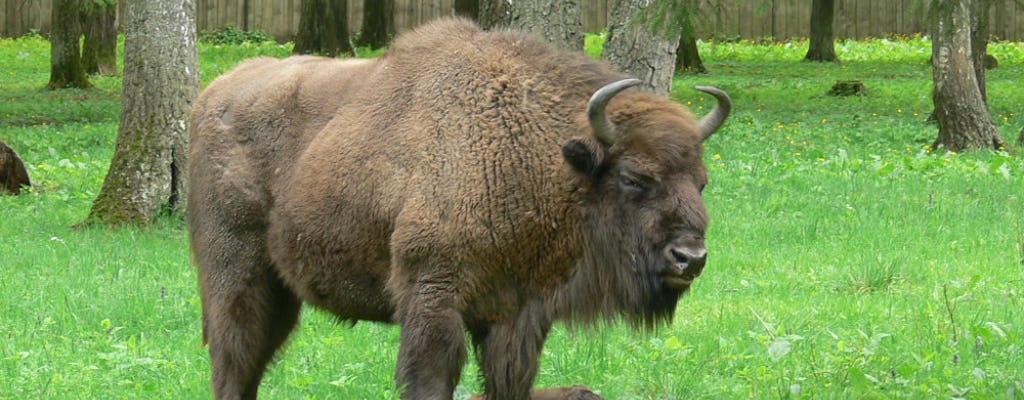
{"x":12,"y":171}
{"x":465,"y":181}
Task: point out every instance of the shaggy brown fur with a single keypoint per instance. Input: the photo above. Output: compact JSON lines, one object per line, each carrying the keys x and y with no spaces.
{"x":12,"y":171}
{"x":452,"y":185}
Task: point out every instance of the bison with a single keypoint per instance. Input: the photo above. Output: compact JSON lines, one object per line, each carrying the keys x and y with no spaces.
{"x":464,"y":181}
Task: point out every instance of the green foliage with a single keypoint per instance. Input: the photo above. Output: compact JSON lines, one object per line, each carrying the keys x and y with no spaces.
{"x":89,"y":6}
{"x":232,"y":35}
{"x":667,"y":18}
{"x":847,"y":259}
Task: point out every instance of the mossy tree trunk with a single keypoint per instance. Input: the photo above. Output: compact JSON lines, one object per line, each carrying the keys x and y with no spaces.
{"x":323,"y":28}
{"x":822,"y":42}
{"x":378,"y":23}
{"x":494,"y":13}
{"x":66,"y":69}
{"x":963,"y":118}
{"x":633,"y":49}
{"x":161,"y":81}
{"x":99,"y":54}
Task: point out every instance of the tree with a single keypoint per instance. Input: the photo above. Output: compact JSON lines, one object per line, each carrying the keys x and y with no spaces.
{"x":979,"y":43}
{"x":66,"y":69}
{"x":494,"y":13}
{"x":687,"y":54}
{"x":161,"y":81}
{"x":637,"y":49}
{"x":822,"y":46}
{"x":99,"y":54}
{"x":963,"y":117}
{"x":467,"y":8}
{"x":323,"y":28}
{"x":558,"y":22}
{"x":378,"y":23}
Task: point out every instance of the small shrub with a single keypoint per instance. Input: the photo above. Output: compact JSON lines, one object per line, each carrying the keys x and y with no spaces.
{"x":233,"y":35}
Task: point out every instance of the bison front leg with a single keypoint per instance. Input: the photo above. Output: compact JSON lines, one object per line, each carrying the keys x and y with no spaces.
{"x":433,"y":348}
{"x":509,"y":353}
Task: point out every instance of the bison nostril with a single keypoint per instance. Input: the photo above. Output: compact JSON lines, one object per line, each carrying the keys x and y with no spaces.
{"x":686,"y":255}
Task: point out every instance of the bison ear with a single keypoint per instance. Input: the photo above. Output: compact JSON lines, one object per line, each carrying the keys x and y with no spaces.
{"x":584,"y":155}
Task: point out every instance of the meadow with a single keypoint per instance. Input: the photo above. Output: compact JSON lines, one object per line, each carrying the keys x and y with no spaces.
{"x":848,"y":259}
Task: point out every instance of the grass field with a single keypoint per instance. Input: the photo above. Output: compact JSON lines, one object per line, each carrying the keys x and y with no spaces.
{"x":847,"y":260}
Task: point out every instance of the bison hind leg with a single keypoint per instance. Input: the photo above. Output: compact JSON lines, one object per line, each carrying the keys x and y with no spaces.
{"x":248,"y":313}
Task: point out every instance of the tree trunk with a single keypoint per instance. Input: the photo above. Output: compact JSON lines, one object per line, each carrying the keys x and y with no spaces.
{"x":1020,"y":138}
{"x":964,"y":120}
{"x":323,"y":28}
{"x":979,"y":43}
{"x":637,"y":52}
{"x":558,"y":22}
{"x":378,"y":23}
{"x":467,"y":8}
{"x":687,"y":56}
{"x":494,"y":14}
{"x":65,"y":54}
{"x":99,"y":56}
{"x":12,"y":171}
{"x":161,"y":81}
{"x":822,"y":46}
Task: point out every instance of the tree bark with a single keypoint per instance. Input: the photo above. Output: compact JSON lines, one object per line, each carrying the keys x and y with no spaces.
{"x":12,"y":171}
{"x":99,"y":55}
{"x":979,"y":43}
{"x":637,"y":52}
{"x":467,"y":8}
{"x":687,"y":55}
{"x":964,"y":120}
{"x":558,"y":22}
{"x":66,"y":68}
{"x":494,"y":14}
{"x":323,"y":28}
{"x":378,"y":23}
{"x":822,"y":43}
{"x":161,"y":80}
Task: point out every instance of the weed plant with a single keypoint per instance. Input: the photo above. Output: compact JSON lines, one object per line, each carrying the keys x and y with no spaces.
{"x":848,"y":259}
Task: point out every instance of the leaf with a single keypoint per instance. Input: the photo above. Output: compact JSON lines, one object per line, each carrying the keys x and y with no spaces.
{"x":779,"y":348}
{"x":673,"y":343}
{"x":858,"y":379}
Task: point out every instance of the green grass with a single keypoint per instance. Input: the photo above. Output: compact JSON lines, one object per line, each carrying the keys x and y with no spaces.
{"x":847,"y":260}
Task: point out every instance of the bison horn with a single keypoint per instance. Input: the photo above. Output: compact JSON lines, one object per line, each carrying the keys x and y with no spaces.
{"x":711,"y":122}
{"x":603,"y":128}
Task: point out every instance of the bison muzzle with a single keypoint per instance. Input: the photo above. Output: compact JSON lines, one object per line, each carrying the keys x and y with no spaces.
{"x":464,"y":181}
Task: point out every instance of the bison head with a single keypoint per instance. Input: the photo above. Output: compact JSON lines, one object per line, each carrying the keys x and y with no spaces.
{"x":644,"y":219}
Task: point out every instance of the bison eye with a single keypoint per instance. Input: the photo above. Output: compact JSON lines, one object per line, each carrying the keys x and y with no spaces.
{"x":635,"y":182}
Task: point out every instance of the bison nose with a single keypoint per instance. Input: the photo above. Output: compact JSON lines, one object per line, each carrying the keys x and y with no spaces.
{"x":688,"y":261}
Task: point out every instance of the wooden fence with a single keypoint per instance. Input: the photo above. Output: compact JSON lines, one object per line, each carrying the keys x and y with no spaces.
{"x":779,"y":19}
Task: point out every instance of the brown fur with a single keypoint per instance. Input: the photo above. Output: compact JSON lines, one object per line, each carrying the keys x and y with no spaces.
{"x":450,"y":185}
{"x":12,"y":171}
